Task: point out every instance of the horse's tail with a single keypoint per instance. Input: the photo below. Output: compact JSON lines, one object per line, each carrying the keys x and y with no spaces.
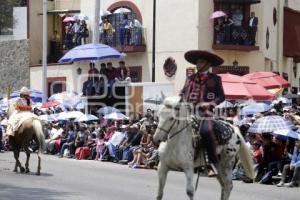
{"x":38,"y":129}
{"x":245,"y":155}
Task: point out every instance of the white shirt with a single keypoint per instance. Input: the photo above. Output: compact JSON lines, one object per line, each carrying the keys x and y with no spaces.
{"x":116,"y":138}
{"x":251,"y":21}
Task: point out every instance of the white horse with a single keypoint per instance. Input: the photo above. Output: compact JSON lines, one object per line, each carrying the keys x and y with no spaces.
{"x":177,"y":151}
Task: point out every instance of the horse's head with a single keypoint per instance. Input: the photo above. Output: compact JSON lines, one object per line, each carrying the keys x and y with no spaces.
{"x":171,"y":113}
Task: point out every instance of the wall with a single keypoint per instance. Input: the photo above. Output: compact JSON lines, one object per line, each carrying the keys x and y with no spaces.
{"x":67,"y":4}
{"x":14,"y":64}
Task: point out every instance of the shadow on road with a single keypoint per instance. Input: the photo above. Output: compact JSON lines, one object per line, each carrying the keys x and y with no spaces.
{"x":10,"y":192}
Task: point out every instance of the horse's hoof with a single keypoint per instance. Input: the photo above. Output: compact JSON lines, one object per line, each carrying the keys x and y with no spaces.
{"x":15,"y":170}
{"x":22,"y":169}
{"x":38,"y":173}
{"x":27,"y":171}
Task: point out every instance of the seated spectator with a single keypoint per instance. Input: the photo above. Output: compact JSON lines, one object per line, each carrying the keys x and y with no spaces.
{"x":122,"y":73}
{"x":70,"y":141}
{"x":292,"y":169}
{"x":93,"y":72}
{"x":79,"y":140}
{"x":100,"y":145}
{"x":109,"y":133}
{"x":53,"y":136}
{"x":116,"y":139}
{"x":111,"y":74}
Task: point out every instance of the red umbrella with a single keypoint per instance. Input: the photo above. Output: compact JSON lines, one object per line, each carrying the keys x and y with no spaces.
{"x":50,"y":104}
{"x":237,"y":87}
{"x":268,"y":80}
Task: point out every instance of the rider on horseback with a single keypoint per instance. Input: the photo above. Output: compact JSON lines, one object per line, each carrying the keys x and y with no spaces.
{"x":22,"y":107}
{"x":204,"y":90}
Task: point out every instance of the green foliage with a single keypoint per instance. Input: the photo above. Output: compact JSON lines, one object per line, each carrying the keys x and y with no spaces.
{"x":6,"y":14}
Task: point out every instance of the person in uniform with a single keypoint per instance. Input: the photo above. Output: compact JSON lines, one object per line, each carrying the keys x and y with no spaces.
{"x":204,"y":91}
{"x":22,"y":108}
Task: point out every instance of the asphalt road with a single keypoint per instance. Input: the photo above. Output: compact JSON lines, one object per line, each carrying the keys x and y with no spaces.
{"x":70,"y":179}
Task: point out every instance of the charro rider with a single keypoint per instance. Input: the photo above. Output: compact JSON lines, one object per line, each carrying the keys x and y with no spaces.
{"x":204,"y":90}
{"x":22,"y":110}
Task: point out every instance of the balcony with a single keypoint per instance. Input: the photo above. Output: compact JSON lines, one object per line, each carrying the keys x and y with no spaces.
{"x":232,"y":39}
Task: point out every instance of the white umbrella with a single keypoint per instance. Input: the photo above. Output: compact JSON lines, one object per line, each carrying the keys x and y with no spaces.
{"x":85,"y":118}
{"x":107,"y":110}
{"x":69,"y":115}
{"x":104,"y":12}
{"x":288,"y":133}
{"x":122,"y":10}
{"x":48,"y":118}
{"x":115,"y":116}
{"x":225,"y":104}
{"x":81,"y":16}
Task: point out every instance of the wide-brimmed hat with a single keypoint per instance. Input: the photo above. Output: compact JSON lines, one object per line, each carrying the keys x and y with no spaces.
{"x":24,"y":91}
{"x":194,"y":55}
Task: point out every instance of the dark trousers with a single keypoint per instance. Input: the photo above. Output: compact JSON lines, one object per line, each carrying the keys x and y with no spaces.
{"x":1,"y":143}
{"x":295,"y":173}
{"x":252,"y":35}
{"x":209,"y":140}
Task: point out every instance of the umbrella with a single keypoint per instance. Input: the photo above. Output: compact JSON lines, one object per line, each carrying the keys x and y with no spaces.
{"x":69,"y":115}
{"x":65,"y":98}
{"x":35,"y":95}
{"x":86,"y":118}
{"x":154,"y":100}
{"x":225,"y":104}
{"x":122,"y":10}
{"x":50,"y":104}
{"x":69,"y":19}
{"x":115,"y":116}
{"x":217,"y":14}
{"x":255,"y":108}
{"x":291,"y":96}
{"x":270,"y":124}
{"x":91,"y":52}
{"x":108,"y":110}
{"x":81,"y":17}
{"x":268,"y":80}
{"x":104,"y":12}
{"x":48,"y":118}
{"x":237,"y":87}
{"x":288,"y":133}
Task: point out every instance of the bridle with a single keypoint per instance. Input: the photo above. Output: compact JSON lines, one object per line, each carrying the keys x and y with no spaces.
{"x":171,"y":127}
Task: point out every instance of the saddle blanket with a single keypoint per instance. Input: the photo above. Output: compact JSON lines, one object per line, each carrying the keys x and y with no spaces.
{"x":16,"y":120}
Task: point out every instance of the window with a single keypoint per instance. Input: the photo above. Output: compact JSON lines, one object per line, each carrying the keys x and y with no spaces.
{"x":56,"y":85}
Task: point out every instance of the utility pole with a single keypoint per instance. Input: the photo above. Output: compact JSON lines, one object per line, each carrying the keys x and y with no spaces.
{"x":96,"y":22}
{"x":153,"y":41}
{"x":45,"y":40}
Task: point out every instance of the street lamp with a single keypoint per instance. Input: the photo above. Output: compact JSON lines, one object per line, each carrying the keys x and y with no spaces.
{"x":235,"y":63}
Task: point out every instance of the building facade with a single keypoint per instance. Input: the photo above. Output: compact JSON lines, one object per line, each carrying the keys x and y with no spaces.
{"x":182,"y":26}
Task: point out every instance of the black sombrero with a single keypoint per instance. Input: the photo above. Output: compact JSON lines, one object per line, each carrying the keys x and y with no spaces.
{"x":194,"y":55}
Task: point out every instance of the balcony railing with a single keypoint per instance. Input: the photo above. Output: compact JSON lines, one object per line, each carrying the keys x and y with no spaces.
{"x":231,"y":38}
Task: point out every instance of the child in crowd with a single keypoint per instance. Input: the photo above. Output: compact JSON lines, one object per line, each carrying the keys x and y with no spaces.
{"x":100,"y":145}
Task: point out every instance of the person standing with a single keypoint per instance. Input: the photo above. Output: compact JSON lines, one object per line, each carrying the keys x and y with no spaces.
{"x":237,"y":19}
{"x":252,"y":28}
{"x":204,"y":90}
{"x":124,"y":24}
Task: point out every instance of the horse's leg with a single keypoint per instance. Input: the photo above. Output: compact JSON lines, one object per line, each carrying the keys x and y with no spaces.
{"x":189,"y":173}
{"x":162,"y":177}
{"x":225,"y":176}
{"x":27,"y":151}
{"x":18,"y":163}
{"x":39,"y":165}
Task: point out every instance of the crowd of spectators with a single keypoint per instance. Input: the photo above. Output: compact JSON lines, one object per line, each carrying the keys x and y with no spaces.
{"x":125,"y":33}
{"x":76,"y":33}
{"x":230,"y":30}
{"x":101,"y":81}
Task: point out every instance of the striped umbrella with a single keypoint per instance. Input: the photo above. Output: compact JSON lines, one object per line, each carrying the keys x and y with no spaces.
{"x":270,"y":124}
{"x":288,"y":133}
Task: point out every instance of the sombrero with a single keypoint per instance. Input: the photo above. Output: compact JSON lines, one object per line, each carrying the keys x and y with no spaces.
{"x":193,"y":56}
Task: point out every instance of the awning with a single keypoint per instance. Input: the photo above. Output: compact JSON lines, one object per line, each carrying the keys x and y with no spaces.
{"x":238,"y":1}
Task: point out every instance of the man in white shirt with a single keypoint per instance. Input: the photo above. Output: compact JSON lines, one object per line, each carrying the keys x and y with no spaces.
{"x":115,"y":140}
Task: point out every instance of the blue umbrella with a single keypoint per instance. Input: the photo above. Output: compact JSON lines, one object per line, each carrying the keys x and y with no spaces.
{"x":269,"y":124}
{"x":35,"y":95}
{"x":107,"y":110}
{"x":91,"y":52}
{"x":255,"y":108}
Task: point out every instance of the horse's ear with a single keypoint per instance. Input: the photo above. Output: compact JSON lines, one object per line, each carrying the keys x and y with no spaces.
{"x":163,"y":96}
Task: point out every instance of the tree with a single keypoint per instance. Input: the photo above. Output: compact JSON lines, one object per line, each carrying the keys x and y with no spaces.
{"x":6,"y":14}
